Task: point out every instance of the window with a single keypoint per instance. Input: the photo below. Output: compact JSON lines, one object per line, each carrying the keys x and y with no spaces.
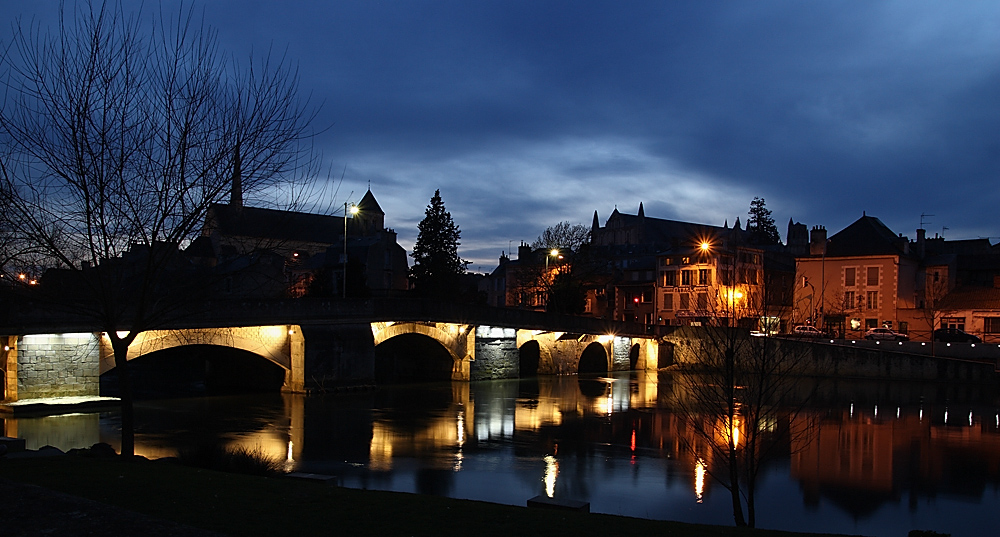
{"x":702,"y":301}
{"x":686,"y":277}
{"x":686,"y":260}
{"x":665,"y":261}
{"x":871,"y":300}
{"x":850,"y":276}
{"x":991,"y":325}
{"x":703,"y":277}
{"x":668,"y":301}
{"x":727,"y":276}
{"x":685,"y":301}
{"x":670,"y":278}
{"x":872,"y":276}
{"x":848,"y":300}
{"x":871,"y":323}
{"x":953,"y":322}
{"x":647,"y":296}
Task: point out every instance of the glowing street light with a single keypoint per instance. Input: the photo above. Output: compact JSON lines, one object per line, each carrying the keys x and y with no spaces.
{"x":553,"y":253}
{"x":349,"y":209}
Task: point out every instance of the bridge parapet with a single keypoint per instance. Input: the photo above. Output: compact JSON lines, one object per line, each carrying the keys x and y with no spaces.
{"x":38,"y":318}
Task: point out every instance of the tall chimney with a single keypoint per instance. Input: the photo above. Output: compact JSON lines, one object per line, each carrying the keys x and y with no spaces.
{"x":524,"y":251}
{"x":921,"y":243}
{"x":817,"y":241}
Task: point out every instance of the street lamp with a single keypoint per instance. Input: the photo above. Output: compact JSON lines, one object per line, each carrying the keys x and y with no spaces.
{"x":349,"y":209}
{"x":554,"y":253}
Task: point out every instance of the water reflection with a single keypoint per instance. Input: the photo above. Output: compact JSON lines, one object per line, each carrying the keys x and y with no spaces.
{"x":875,"y":455}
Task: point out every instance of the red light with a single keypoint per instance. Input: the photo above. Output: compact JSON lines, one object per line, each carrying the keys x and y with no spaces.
{"x":636,"y":300}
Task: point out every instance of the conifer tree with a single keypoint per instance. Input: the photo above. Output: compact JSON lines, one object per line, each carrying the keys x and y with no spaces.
{"x":436,"y":265}
{"x":761,"y":224}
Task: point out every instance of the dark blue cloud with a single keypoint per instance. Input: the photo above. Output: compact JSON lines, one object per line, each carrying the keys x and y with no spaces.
{"x":525,"y":114}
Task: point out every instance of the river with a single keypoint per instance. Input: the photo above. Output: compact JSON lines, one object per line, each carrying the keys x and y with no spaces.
{"x":880,"y":458}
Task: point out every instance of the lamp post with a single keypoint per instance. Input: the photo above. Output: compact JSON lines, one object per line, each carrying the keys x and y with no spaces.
{"x":554,"y":253}
{"x":349,"y":209}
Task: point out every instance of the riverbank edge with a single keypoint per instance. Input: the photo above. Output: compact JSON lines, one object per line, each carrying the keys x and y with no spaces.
{"x":237,"y":504}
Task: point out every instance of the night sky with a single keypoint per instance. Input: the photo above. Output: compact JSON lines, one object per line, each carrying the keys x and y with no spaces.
{"x":525,"y":114}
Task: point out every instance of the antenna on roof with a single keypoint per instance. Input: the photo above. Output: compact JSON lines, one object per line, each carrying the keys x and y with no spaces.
{"x":943,"y":230}
{"x":923,"y":220}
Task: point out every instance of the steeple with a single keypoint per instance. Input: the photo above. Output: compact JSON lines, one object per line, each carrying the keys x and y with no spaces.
{"x":370,"y":218}
{"x":642,"y":214}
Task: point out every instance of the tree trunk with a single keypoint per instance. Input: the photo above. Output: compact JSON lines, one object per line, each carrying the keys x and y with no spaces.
{"x":734,"y":479}
{"x":125,"y":393}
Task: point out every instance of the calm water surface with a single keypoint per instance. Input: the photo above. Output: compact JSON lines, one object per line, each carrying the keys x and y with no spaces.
{"x":881,"y":459}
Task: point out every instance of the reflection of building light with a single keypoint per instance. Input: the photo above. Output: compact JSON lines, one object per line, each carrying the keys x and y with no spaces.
{"x":970,"y":418}
{"x":876,"y":412}
{"x":633,"y":440}
{"x":461,"y":429}
{"x":289,"y":459}
{"x":946,"y":415}
{"x":551,"y":471}
{"x":728,"y":430}
{"x":699,"y":479}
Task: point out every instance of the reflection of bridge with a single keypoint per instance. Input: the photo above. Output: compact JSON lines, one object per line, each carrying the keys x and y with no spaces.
{"x":330,"y":343}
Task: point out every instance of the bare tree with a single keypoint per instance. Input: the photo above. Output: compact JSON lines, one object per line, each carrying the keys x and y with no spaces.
{"x":563,"y":236}
{"x":119,"y":131}
{"x":741,"y":396}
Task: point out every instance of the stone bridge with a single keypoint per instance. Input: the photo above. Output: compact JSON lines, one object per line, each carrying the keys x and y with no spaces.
{"x":322,"y":345}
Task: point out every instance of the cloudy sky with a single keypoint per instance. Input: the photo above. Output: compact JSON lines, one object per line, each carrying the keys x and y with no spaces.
{"x":525,"y":114}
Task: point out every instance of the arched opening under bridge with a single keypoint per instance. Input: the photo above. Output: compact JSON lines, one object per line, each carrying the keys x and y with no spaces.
{"x":594,"y":360}
{"x":197,"y":370}
{"x":412,"y":357}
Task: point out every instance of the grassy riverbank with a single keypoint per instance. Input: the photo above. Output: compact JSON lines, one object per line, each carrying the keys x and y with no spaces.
{"x":244,"y":505}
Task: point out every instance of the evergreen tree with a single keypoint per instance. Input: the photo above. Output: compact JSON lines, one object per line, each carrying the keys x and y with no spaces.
{"x":761,"y":224}
{"x":437,"y":267}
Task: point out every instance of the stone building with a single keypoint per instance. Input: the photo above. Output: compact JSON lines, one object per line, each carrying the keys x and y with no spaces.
{"x":308,"y":248}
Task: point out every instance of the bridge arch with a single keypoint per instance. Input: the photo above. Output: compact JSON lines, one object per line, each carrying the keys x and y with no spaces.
{"x":282,"y":345}
{"x":458,"y":340}
{"x":594,"y":360}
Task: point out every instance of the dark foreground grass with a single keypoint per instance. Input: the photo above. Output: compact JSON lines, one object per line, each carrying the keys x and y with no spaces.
{"x":248,"y":505}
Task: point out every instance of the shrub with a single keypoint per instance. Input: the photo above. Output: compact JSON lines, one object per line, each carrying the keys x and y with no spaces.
{"x":238,"y":460}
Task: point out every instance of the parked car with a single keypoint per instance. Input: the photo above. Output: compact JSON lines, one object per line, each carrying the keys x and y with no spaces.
{"x":954,"y":335}
{"x":885,"y":333}
{"x":807,"y":331}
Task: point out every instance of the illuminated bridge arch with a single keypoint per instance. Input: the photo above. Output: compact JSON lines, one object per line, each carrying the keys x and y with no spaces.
{"x":457,"y":339}
{"x":282,"y":345}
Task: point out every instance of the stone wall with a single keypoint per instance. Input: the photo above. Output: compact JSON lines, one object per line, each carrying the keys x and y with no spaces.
{"x":620,"y":349}
{"x":497,"y":356}
{"x":58,"y":365}
{"x":840,"y":360}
